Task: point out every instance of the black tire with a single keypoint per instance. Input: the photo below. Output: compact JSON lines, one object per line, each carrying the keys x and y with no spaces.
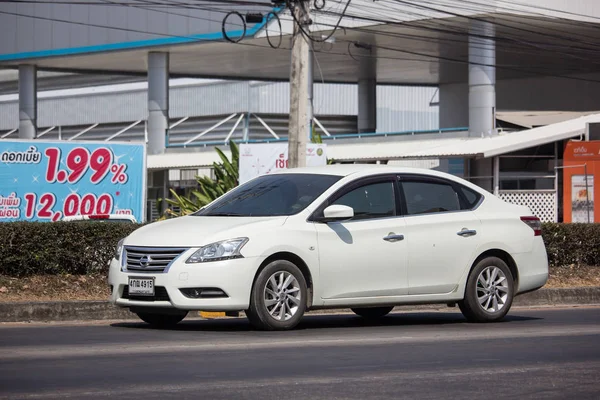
{"x":161,"y":320}
{"x":470,"y":305}
{"x":258,"y":313}
{"x":372,"y":312}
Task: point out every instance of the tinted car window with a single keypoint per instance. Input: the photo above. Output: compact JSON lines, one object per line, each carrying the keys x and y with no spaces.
{"x":471,"y":197}
{"x":423,"y":197}
{"x":371,"y":201}
{"x":271,"y":195}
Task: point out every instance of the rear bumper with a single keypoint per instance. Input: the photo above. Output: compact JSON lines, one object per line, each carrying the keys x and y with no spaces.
{"x":533,"y":267}
{"x":234,"y":277}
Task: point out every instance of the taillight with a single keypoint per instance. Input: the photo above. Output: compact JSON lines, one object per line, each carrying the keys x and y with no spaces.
{"x":534,"y":223}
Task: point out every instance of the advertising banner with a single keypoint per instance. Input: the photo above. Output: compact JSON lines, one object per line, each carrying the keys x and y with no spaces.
{"x":581,"y":159}
{"x":260,"y":159}
{"x":49,"y":180}
{"x":582,"y":198}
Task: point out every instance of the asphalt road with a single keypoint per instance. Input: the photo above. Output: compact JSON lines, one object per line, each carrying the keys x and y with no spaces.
{"x":535,"y":353}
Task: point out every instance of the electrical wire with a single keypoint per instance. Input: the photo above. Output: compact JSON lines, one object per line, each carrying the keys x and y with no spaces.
{"x":417,"y":56}
{"x":306,"y":34}
{"x":162,"y":4}
{"x":150,"y":6}
{"x":584,"y":56}
{"x":471,"y":18}
{"x":314,"y":53}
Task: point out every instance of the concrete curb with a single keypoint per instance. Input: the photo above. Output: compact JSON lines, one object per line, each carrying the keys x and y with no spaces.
{"x":102,"y":310}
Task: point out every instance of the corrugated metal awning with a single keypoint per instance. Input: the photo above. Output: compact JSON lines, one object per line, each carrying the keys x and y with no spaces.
{"x":185,"y":160}
{"x":396,"y":149}
{"x":533,"y":119}
{"x":508,"y":143}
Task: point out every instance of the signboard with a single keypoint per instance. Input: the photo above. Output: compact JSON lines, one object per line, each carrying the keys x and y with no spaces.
{"x":581,"y":158}
{"x":259,"y":159}
{"x":49,"y":180}
{"x":582,"y":198}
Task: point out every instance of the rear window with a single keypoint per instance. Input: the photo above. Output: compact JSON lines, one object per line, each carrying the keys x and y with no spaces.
{"x":471,"y":197}
{"x":426,"y":197}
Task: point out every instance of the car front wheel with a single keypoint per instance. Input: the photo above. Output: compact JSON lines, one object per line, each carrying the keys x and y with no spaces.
{"x":278,"y":298}
{"x":489,"y":292}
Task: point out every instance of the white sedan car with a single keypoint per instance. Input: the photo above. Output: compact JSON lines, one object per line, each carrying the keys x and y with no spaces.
{"x":349,"y":236}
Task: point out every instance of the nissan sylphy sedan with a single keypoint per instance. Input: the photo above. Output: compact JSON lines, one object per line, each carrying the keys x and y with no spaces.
{"x":348,"y":236}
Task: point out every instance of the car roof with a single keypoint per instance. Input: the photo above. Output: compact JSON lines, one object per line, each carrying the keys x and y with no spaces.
{"x":366,"y":169}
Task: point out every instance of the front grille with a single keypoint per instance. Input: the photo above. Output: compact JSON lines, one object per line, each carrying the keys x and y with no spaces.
{"x":160,"y":294}
{"x":150,"y":259}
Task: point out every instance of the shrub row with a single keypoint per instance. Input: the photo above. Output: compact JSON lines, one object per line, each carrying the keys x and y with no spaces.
{"x":40,"y":248}
{"x":572,"y":244}
{"x":86,"y":247}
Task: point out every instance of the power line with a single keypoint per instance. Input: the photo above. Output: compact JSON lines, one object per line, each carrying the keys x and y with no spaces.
{"x":462,"y":33}
{"x":472,"y":18}
{"x":162,"y":3}
{"x":423,"y":57}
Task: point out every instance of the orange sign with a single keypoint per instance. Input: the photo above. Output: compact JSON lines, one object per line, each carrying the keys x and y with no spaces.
{"x":581,"y":171}
{"x":582,"y":151}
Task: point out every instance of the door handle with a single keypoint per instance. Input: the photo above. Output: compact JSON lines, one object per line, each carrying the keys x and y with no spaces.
{"x":392,"y":237}
{"x":467,"y":232}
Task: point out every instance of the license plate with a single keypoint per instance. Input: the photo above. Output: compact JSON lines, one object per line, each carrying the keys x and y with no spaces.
{"x":141,"y":286}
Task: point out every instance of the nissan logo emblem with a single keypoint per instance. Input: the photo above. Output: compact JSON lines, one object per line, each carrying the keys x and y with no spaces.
{"x":145,"y":261}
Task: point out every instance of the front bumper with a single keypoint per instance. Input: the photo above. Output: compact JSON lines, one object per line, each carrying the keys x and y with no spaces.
{"x":234,"y":277}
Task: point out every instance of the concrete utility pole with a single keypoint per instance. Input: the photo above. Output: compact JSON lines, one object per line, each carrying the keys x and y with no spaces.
{"x":299,"y":79}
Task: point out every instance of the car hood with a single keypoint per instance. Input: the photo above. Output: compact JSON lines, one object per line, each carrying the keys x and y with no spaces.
{"x":192,"y":231}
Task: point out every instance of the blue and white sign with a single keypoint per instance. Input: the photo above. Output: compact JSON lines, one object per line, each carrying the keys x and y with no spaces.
{"x":50,"y":180}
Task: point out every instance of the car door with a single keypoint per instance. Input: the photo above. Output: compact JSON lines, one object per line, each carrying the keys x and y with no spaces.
{"x":364,"y":256}
{"x":441,"y":232}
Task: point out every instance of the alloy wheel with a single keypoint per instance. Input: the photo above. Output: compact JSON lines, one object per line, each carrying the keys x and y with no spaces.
{"x":282,"y":295}
{"x":492,"y":289}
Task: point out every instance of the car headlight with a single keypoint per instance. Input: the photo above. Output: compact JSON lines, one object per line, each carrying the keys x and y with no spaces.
{"x":218,"y":251}
{"x":119,"y":249}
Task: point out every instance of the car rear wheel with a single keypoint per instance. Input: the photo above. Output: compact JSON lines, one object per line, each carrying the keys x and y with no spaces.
{"x":489,"y":292}
{"x":161,"y":320}
{"x":373,"y":313}
{"x":278,"y":298}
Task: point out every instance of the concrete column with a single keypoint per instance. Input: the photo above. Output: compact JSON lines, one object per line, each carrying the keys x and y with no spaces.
{"x":482,"y":95}
{"x":482,"y":172}
{"x":27,"y":102}
{"x":367,"y":105}
{"x":310,"y":94}
{"x":367,"y":91}
{"x":482,"y":79}
{"x":161,"y":181}
{"x":454,"y":105}
{"x":158,"y":102}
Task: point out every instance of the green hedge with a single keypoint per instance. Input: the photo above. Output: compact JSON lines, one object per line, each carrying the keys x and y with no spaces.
{"x":41,"y":248}
{"x":29,"y":248}
{"x":572,"y":244}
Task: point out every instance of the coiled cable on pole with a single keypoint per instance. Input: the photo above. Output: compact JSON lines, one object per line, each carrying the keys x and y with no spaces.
{"x":225,"y":35}
{"x":268,"y":17}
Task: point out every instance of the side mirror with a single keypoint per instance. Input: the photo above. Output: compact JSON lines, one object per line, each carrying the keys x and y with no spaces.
{"x":337,"y":212}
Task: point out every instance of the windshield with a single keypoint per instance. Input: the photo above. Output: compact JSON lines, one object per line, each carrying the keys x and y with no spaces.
{"x":271,"y":195}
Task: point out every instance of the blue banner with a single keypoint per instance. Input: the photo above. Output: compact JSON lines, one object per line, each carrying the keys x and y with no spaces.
{"x":49,"y":180}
